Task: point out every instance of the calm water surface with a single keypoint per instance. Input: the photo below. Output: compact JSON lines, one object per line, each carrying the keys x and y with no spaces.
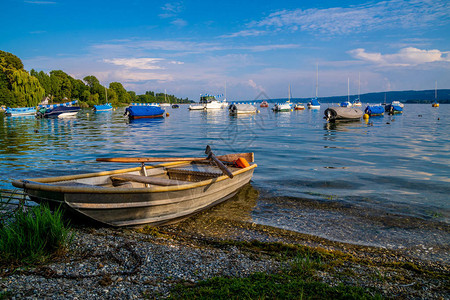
{"x":384,"y":182}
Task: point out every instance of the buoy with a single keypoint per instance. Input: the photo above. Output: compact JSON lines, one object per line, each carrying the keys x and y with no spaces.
{"x":167,"y":114}
{"x":87,"y":114}
{"x":366,"y":116}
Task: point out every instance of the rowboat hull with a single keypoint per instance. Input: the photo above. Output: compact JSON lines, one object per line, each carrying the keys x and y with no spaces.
{"x":135,"y":204}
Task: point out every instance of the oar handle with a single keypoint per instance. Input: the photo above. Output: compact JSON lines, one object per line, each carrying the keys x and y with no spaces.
{"x":224,"y":169}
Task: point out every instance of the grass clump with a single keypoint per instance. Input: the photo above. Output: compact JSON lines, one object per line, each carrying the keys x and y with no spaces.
{"x":268,"y":286}
{"x":33,"y":235}
{"x":294,"y":282}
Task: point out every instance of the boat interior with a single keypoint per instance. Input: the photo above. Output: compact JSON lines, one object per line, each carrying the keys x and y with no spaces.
{"x":172,"y":175}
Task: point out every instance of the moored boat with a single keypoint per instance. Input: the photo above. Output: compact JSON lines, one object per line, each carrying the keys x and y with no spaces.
{"x":333,"y":114}
{"x":103,"y":107}
{"x":58,"y":112}
{"x":151,"y":195}
{"x":20,"y":111}
{"x":299,"y":106}
{"x":264,"y":104}
{"x":396,"y":107}
{"x":142,"y":112}
{"x":282,"y":107}
{"x":435,"y":103}
{"x":239,"y":109}
{"x":196,"y":107}
{"x":374,"y":110}
{"x":314,"y":104}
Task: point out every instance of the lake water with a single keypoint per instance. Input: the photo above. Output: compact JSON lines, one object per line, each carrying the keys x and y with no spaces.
{"x":384,"y":182}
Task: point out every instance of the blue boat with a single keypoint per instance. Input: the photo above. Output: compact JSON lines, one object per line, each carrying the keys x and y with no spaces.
{"x":58,"y":112}
{"x":396,"y":107}
{"x":345,"y":104}
{"x":103,"y":107}
{"x":314,"y":104}
{"x":374,"y":110}
{"x":20,"y":111}
{"x":141,"y":112}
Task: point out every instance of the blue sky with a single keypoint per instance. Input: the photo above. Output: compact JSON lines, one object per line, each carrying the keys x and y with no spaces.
{"x":193,"y":47}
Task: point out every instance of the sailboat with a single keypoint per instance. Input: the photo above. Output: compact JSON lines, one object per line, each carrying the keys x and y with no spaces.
{"x":347,"y":103}
{"x":314,"y":103}
{"x":165,"y":100}
{"x":357,"y":102}
{"x":435,"y":103}
{"x":224,"y":101}
{"x":103,"y":107}
{"x":287,"y":106}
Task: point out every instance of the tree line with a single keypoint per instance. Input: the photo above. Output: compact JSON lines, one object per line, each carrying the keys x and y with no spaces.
{"x":19,"y":88}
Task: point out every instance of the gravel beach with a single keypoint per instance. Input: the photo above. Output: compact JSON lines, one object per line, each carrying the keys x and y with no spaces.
{"x":137,"y":263}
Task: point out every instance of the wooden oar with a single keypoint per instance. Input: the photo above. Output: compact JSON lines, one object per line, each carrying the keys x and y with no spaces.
{"x":211,"y":156}
{"x":227,"y":158}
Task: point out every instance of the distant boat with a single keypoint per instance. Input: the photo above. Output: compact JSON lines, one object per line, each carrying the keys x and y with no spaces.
{"x":299,"y":106}
{"x":357,"y":102}
{"x":103,"y":107}
{"x":175,"y":106}
{"x":435,"y":103}
{"x":374,"y":110}
{"x":209,"y":102}
{"x":314,"y":103}
{"x":284,"y":107}
{"x":196,"y":107}
{"x":239,"y":109}
{"x":58,"y":112}
{"x":347,"y":103}
{"x":20,"y":111}
{"x":333,"y":114}
{"x":264,"y":104}
{"x":141,"y":112}
{"x":396,"y":107}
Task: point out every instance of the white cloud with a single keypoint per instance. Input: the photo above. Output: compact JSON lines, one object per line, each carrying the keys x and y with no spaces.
{"x":40,"y":2}
{"x":244,"y":33}
{"x":353,"y":19}
{"x":257,"y":87}
{"x":136,"y":63}
{"x":409,"y":56}
{"x":179,"y":22}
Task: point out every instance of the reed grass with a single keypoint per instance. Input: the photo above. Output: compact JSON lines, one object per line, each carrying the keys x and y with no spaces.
{"x":32,"y":235}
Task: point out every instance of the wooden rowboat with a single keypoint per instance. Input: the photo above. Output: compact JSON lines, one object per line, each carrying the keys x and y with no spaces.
{"x":153,"y":195}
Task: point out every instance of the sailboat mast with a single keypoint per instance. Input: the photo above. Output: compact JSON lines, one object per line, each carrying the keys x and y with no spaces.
{"x":348,"y":89}
{"x":289,"y":93}
{"x":435,"y":90}
{"x":317,"y":80}
{"x":106,"y":95}
{"x":359,"y":86}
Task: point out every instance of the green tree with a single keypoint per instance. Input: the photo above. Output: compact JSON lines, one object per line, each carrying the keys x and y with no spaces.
{"x":133,"y":96}
{"x":62,"y":84}
{"x":23,"y":84}
{"x":122,"y":95}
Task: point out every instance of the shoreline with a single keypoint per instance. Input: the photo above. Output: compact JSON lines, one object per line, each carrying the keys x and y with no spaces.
{"x":148,"y":262}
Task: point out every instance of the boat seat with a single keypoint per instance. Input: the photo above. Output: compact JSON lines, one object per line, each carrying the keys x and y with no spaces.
{"x":148,"y":180}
